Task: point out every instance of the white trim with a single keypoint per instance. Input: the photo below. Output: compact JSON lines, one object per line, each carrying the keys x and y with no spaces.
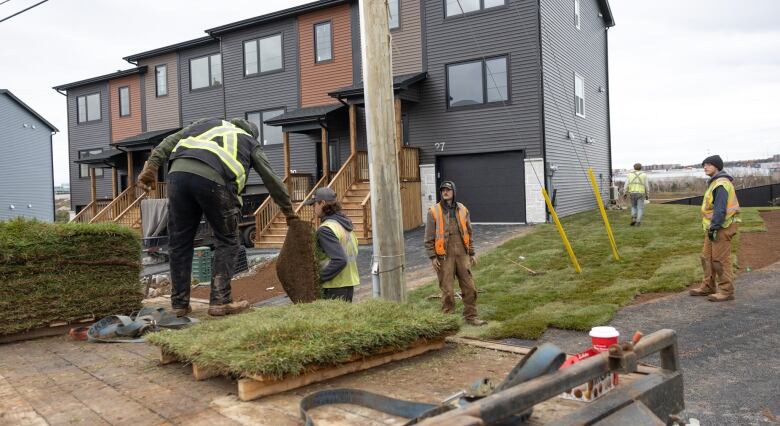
{"x":582,"y":79}
{"x":577,"y":15}
{"x":535,"y":208}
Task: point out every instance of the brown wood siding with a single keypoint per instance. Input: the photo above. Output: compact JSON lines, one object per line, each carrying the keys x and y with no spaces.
{"x":162,"y":113}
{"x":407,"y":40}
{"x":124,"y":127}
{"x":318,"y":79}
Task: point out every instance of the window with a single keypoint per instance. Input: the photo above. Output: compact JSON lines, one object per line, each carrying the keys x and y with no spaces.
{"x":269,"y":135}
{"x":206,"y":71}
{"x":263,"y":55}
{"x":161,"y":80}
{"x":394,"y":11}
{"x":579,"y":95}
{"x":477,"y":82}
{"x":323,"y":45}
{"x":577,"y":14}
{"x":84,"y":168}
{"x":88,"y":107}
{"x":462,"y":7}
{"x":124,"y":101}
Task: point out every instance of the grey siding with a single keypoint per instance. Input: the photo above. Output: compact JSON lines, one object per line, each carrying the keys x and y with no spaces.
{"x":303,"y":152}
{"x":88,"y":136}
{"x":26,"y":164}
{"x":266,"y":91}
{"x":407,"y":41}
{"x":567,"y":50}
{"x":200,"y":103}
{"x":357,"y":56}
{"x":162,"y":113}
{"x":511,"y":31}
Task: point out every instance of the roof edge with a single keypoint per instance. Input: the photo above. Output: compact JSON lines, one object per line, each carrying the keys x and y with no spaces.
{"x":292,"y":11}
{"x":606,"y":12}
{"x":30,"y":110}
{"x":170,"y":48}
{"x":123,"y":73}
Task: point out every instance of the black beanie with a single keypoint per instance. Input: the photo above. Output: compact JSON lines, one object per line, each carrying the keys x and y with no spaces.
{"x":715,"y":160}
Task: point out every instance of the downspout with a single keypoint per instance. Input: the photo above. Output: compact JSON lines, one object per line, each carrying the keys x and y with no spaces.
{"x":222,"y":67}
{"x":609,"y":117}
{"x":542,"y":106}
{"x":53,"y":195}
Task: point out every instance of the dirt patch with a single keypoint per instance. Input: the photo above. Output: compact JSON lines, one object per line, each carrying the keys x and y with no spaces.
{"x":760,"y":249}
{"x":262,"y":285}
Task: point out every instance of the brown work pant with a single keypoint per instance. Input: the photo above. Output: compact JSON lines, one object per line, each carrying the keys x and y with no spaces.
{"x":716,"y":261}
{"x":456,"y":264}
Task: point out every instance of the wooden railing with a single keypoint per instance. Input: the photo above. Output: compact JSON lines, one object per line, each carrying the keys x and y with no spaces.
{"x":88,"y":212}
{"x":160,"y":192}
{"x":345,"y":177}
{"x":362,"y":166}
{"x":118,"y":205}
{"x":409,"y":164}
{"x":267,"y":211}
{"x":307,"y":212}
{"x":366,"y":206}
{"x":298,"y":186}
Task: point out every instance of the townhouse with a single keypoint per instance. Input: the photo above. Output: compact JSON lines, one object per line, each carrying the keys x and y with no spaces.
{"x":504,"y":97}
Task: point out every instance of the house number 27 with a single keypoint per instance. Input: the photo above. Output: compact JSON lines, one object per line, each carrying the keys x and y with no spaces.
{"x":439,"y":146}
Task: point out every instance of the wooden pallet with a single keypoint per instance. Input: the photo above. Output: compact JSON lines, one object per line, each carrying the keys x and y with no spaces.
{"x":256,"y":386}
{"x":54,"y":329}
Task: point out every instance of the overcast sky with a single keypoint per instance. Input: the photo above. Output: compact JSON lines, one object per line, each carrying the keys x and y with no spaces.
{"x":688,"y":77}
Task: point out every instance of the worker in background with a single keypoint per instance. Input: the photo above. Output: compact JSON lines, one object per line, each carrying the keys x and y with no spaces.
{"x":720,"y":215}
{"x":450,"y":246}
{"x":337,"y":247}
{"x":209,"y":162}
{"x":638,"y":193}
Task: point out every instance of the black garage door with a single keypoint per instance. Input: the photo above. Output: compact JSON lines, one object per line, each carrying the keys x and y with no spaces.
{"x":492,"y":185}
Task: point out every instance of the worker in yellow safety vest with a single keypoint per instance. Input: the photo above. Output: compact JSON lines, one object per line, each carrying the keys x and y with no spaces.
{"x":449,"y":244}
{"x":720,"y":216}
{"x":208,"y":165}
{"x":636,"y":186}
{"x":337,"y":246}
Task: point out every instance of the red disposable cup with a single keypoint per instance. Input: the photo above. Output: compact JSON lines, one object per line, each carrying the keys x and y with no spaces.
{"x":603,"y":337}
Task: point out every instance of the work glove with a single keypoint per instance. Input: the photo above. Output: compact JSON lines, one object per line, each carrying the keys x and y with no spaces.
{"x":147,"y":180}
{"x":712,"y":234}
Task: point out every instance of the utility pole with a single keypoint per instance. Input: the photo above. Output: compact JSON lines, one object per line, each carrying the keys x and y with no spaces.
{"x":387,"y":223}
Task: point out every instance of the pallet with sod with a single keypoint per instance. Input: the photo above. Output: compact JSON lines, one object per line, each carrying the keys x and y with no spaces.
{"x":256,"y":386}
{"x":57,"y":328}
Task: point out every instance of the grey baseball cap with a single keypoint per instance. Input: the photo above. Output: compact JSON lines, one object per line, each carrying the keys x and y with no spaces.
{"x":321,"y":194}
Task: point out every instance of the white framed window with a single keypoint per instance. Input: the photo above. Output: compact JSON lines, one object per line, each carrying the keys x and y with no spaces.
{"x":579,"y":95}
{"x":577,"y":19}
{"x":394,"y":12}
{"x":323,"y":42}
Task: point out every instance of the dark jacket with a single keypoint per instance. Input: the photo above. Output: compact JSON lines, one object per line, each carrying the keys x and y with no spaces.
{"x":330,"y":244}
{"x":720,"y":200}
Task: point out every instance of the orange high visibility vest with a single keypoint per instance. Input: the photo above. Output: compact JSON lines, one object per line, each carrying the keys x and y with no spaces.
{"x":440,"y":243}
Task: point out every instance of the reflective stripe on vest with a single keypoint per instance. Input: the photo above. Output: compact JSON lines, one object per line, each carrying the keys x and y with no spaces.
{"x":227,"y":152}
{"x":707,"y":204}
{"x":636,"y":182}
{"x":440,"y":241}
{"x":348,"y":276}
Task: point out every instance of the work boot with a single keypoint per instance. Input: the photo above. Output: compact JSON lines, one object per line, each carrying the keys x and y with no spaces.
{"x":701,"y":290}
{"x":228,"y":309}
{"x":720,"y":297}
{"x":633,"y":222}
{"x":638,"y":224}
{"x":476,"y":322}
{"x":182,"y":312}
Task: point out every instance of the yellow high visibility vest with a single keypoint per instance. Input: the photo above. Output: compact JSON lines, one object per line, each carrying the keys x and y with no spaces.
{"x":732,"y":205}
{"x":637,"y":182}
{"x":348,"y":276}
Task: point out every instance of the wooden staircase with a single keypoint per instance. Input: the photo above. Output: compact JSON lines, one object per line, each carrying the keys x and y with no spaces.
{"x":125,"y":209}
{"x":353,"y":191}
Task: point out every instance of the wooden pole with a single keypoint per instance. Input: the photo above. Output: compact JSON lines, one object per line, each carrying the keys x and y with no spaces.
{"x":352,"y":129}
{"x":114,"y":179}
{"x":382,"y":156}
{"x":286,"y":148}
{"x":93,"y":190}
{"x":324,"y":149}
{"x":130,"y":173}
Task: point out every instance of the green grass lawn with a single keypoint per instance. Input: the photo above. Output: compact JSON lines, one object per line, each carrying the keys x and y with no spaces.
{"x":660,"y":256}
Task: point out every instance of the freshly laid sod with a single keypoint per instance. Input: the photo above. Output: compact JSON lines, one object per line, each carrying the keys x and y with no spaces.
{"x":65,"y":272}
{"x":286,"y":340}
{"x":660,"y":256}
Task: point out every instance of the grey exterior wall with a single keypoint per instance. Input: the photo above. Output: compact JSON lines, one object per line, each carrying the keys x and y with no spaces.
{"x":567,"y":50}
{"x":407,"y":39}
{"x":88,"y":136}
{"x":161,"y":113}
{"x":204,"y":102}
{"x":26,"y":173}
{"x":510,"y":30}
{"x":266,"y":91}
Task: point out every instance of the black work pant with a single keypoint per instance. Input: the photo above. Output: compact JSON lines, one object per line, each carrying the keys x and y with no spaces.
{"x":189,"y":197}
{"x":343,"y":293}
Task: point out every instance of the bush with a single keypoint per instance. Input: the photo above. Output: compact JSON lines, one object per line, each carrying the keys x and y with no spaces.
{"x":65,"y":272}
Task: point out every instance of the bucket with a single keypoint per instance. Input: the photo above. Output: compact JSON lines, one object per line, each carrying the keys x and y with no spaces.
{"x":603,"y":337}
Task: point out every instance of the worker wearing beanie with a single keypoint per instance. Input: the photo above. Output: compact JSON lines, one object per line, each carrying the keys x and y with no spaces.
{"x":720,"y":215}
{"x":449,"y":245}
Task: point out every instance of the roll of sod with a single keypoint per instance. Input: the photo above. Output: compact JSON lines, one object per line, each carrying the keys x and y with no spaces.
{"x":54,"y":273}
